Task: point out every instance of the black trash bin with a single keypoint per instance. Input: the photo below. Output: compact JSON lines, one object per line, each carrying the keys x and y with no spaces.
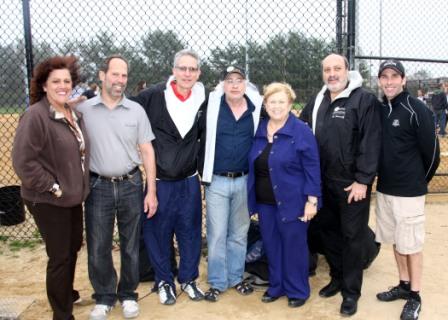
{"x":12,"y":210}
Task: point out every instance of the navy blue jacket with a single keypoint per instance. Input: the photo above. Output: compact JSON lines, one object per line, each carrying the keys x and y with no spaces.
{"x":293,"y":164}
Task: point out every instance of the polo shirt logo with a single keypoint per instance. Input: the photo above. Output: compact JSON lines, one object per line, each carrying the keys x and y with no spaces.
{"x":396,"y":123}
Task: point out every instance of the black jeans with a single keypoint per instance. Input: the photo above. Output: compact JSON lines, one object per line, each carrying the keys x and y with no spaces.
{"x":344,"y":228}
{"x":61,"y":230}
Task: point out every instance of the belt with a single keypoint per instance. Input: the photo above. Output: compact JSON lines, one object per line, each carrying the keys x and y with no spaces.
{"x":232,"y":174}
{"x":118,"y":178}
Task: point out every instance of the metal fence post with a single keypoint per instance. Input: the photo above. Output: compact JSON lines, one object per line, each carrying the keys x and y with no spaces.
{"x":339,"y":18}
{"x":351,"y":26}
{"x":28,"y":41}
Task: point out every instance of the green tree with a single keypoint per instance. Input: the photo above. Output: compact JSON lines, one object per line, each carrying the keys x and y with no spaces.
{"x":12,"y":77}
{"x":291,"y":57}
{"x":154,"y":62}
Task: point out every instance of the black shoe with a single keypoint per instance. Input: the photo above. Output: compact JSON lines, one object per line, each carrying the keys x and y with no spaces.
{"x":349,"y":306}
{"x":295,"y":302}
{"x":212,"y":295}
{"x":76,"y":298}
{"x":266,"y":298}
{"x":411,"y":310}
{"x":330,"y":289}
{"x":393,"y":294}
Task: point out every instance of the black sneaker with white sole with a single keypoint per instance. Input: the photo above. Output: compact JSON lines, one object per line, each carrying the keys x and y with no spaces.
{"x":393,"y":294}
{"x":411,"y":309}
{"x":166,"y":293}
{"x":192,"y":290}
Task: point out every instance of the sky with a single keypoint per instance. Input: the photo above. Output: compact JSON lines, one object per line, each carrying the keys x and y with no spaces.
{"x":409,"y":28}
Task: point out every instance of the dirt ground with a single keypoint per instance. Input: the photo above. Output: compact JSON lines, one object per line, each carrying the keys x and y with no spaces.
{"x":22,"y":273}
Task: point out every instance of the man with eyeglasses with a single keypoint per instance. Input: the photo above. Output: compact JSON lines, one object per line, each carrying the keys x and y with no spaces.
{"x":174,"y":110}
{"x":233,"y":112}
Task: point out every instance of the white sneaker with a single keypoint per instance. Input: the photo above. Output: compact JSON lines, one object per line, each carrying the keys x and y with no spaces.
{"x":166,"y":293}
{"x":193,"y":291}
{"x":100,"y":312}
{"x":130,"y":309}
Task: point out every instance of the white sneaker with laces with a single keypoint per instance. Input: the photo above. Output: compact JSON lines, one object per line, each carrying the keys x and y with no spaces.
{"x":130,"y":309}
{"x":100,"y":312}
{"x":193,"y":291}
{"x":166,"y":293}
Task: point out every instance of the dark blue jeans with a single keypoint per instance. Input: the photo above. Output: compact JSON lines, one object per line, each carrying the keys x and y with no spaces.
{"x":109,"y":200}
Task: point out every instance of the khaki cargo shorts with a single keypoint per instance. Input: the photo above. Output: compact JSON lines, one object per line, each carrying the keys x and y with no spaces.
{"x":401,"y":221}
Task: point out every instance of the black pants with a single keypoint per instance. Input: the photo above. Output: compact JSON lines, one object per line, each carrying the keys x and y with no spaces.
{"x":61,"y":230}
{"x":344,"y":228}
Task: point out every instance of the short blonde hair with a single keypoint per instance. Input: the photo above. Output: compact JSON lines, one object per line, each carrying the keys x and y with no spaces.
{"x":277,"y":87}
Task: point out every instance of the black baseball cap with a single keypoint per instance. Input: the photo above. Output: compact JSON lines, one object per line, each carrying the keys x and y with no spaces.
{"x":233,"y":69}
{"x":391,"y":64}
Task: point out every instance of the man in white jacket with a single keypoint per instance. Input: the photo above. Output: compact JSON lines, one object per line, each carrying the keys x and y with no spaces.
{"x":233,"y":113}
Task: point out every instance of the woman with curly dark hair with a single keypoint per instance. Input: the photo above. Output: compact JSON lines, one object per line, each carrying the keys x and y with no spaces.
{"x":50,"y":156}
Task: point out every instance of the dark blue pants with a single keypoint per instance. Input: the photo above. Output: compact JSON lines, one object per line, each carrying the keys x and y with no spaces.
{"x":287,"y":251}
{"x":179,"y":212}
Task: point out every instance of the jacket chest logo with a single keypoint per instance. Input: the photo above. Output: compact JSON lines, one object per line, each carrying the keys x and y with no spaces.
{"x":396,"y":123}
{"x":338,"y":112}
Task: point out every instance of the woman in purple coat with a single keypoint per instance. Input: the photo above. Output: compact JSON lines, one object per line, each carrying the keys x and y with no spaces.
{"x":284,"y":189}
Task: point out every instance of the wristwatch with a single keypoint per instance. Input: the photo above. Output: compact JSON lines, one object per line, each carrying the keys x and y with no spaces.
{"x":56,"y":190}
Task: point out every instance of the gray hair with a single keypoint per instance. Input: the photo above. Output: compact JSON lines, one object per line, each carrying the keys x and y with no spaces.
{"x":186,"y":52}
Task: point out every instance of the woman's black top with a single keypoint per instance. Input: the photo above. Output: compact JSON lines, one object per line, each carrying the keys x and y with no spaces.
{"x":263,"y":186}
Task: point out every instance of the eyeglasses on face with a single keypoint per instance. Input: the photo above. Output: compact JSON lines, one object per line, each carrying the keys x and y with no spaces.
{"x":185,"y":69}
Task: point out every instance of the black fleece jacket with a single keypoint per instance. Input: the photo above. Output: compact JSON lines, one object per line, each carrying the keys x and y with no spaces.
{"x":410,"y":151}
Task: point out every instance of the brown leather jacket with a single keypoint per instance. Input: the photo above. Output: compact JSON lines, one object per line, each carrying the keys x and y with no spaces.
{"x":46,"y":151}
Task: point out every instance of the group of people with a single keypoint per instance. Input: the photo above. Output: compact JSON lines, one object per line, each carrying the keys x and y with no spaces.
{"x":253,"y":156}
{"x":439,"y":103}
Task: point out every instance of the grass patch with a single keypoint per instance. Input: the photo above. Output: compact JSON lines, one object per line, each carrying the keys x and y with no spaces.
{"x":11,"y":110}
{"x":4,"y":238}
{"x":16,"y":245}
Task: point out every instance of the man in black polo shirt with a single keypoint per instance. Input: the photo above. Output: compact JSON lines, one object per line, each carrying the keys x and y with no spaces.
{"x":233,"y":112}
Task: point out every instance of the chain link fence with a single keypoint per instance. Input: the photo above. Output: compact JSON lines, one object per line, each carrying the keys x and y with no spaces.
{"x":272,"y":40}
{"x":414,"y":32}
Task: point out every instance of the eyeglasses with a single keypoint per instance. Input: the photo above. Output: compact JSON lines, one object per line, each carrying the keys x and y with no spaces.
{"x":184,"y":69}
{"x":234,"y":81}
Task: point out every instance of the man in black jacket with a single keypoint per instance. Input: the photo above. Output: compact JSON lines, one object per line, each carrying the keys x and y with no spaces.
{"x":409,"y":160}
{"x":174,"y":110}
{"x":440,"y":106}
{"x":346,"y":122}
